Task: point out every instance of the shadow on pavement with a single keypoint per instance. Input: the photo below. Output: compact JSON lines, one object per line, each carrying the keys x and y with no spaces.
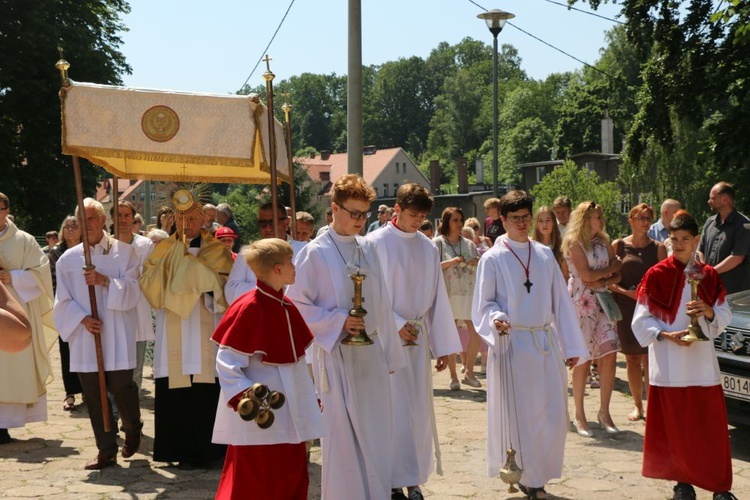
{"x":37,"y":450}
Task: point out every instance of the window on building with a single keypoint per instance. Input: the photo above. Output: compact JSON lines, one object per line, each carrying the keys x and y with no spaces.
{"x":395,"y":189}
{"x":397,"y":170}
{"x":590,"y":165}
{"x":376,"y":192}
{"x":153,"y":196}
{"x":143,"y":196}
{"x":385,"y":190}
{"x":539,"y":174}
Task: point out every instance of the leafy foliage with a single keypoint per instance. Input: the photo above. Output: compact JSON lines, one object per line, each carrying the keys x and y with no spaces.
{"x":582,"y":185}
{"x":30,"y":149}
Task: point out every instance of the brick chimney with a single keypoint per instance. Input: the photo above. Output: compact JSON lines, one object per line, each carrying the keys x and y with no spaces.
{"x":463,"y":175}
{"x":325,"y":154}
{"x":435,"y":176}
{"x":480,"y":170}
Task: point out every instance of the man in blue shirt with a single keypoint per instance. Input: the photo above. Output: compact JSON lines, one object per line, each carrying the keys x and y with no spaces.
{"x":659,"y":230}
{"x":382,"y":219}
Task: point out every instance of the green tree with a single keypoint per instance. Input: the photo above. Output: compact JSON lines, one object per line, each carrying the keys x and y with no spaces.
{"x":582,"y":185}
{"x":694,"y":99}
{"x":36,"y":176}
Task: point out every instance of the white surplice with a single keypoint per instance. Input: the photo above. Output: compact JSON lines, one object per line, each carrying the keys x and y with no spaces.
{"x":143,"y":248}
{"x":527,"y":409}
{"x":297,"y":421}
{"x":116,"y":305}
{"x":671,"y":365}
{"x":415,"y":283}
{"x":352,"y":381}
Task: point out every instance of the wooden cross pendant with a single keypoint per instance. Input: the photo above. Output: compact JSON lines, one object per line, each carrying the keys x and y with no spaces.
{"x":528,"y":285}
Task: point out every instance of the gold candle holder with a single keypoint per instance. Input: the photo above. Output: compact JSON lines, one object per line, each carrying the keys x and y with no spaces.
{"x":694,"y":277}
{"x":358,"y":312}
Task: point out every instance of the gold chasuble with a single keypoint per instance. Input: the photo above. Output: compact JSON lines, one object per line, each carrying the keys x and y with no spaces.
{"x":24,"y":375}
{"x":175,"y":280}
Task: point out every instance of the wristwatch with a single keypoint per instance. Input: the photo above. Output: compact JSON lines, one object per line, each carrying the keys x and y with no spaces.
{"x":659,"y":336}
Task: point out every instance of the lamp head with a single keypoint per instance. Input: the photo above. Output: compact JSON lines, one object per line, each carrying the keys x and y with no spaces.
{"x":496,"y":19}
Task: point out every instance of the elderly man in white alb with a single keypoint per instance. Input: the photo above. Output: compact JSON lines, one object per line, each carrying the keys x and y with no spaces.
{"x":115,"y":282}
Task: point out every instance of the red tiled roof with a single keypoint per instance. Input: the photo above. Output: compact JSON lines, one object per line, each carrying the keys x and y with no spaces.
{"x":337,"y":164}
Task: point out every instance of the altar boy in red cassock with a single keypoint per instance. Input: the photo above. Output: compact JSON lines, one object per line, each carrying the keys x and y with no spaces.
{"x":686,"y":430}
{"x":262,"y":339}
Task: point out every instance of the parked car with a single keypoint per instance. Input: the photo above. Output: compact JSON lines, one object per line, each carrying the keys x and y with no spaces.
{"x":733,"y":351}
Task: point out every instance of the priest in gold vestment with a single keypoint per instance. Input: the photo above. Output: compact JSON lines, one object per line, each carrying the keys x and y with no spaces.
{"x":183,"y":279}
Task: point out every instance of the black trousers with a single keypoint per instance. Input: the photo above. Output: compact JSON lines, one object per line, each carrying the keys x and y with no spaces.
{"x":70,"y":380}
{"x":121,"y":386}
{"x":184,"y":423}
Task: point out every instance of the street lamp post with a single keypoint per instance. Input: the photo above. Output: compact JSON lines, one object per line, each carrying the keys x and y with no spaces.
{"x":495,"y":20}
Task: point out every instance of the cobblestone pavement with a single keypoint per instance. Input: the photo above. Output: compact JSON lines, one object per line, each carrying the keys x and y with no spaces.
{"x":47,"y":459}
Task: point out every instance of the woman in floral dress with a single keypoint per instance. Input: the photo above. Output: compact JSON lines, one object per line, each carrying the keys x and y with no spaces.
{"x":593,"y":266}
{"x":459,"y":257}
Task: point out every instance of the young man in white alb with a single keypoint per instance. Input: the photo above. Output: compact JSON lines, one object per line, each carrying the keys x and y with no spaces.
{"x":519,"y":295}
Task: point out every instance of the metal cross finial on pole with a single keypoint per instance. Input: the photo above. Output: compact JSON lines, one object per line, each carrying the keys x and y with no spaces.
{"x":62,"y":65}
{"x":267,"y":59}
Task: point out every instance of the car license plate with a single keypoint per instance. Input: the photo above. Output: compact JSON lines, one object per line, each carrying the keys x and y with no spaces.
{"x":735,"y":386}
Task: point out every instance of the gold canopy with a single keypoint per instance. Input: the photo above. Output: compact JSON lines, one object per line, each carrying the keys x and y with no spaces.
{"x":166,"y":135}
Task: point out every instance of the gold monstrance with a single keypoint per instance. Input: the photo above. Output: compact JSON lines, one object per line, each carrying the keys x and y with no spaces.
{"x":694,"y":275}
{"x":356,"y":269}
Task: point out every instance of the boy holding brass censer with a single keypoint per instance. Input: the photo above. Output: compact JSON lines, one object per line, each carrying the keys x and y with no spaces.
{"x":267,"y":406}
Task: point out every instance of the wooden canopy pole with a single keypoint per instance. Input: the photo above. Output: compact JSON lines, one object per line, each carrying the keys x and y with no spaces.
{"x":92,"y":297}
{"x":287,"y":108}
{"x":268,"y":76}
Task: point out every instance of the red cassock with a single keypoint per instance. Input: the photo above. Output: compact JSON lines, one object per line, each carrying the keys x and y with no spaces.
{"x":264,"y":322}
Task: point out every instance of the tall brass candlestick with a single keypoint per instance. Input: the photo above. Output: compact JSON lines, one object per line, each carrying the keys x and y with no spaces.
{"x":694,"y":276}
{"x":358,"y":312}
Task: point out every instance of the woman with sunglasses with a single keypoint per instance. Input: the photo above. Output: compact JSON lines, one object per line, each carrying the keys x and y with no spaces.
{"x":70,"y":231}
{"x":593,"y":266}
{"x":638,"y":253}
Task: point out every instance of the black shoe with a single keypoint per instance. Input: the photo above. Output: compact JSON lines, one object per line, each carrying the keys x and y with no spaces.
{"x":185,"y":466}
{"x":532,"y":493}
{"x":5,"y":437}
{"x":416,"y":495}
{"x":398,"y":494}
{"x":684,"y":491}
{"x":724,"y":495}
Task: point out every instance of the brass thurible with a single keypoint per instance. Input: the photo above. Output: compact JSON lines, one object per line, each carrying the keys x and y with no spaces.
{"x":358,"y":312}
{"x":257,"y":403}
{"x":694,"y":277}
{"x":510,"y":473}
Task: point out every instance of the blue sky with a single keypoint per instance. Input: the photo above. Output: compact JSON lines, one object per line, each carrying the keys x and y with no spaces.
{"x":212,"y":46}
